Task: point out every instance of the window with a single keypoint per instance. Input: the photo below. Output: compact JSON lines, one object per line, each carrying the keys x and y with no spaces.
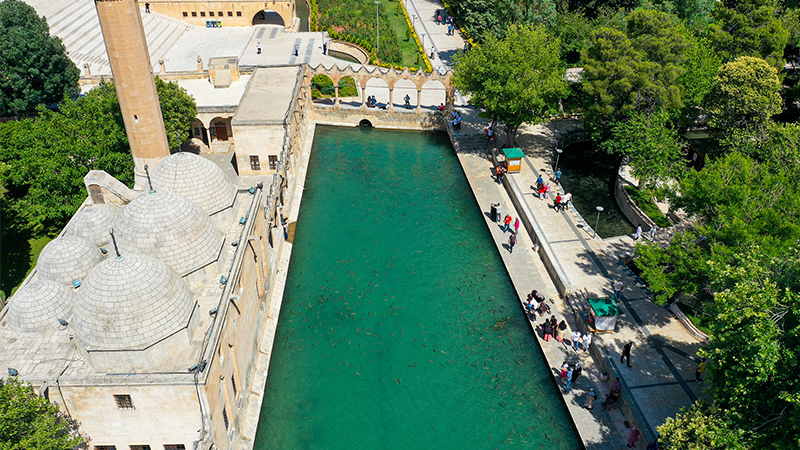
{"x":124,"y":401}
{"x":233,"y":383}
{"x":230,"y":13}
{"x":140,"y":447}
{"x":105,"y":447}
{"x":211,"y":13}
{"x":273,"y":162}
{"x":238,"y":14}
{"x":255,"y":164}
{"x":185,"y":14}
{"x":194,"y":13}
{"x":174,"y":447}
{"x":202,"y":13}
{"x":219,"y":13}
{"x":225,"y":417}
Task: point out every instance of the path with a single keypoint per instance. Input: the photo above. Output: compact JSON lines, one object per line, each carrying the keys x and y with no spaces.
{"x":661,"y":380}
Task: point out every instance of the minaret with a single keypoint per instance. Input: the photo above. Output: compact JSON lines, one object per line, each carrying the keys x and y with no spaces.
{"x":123,"y":34}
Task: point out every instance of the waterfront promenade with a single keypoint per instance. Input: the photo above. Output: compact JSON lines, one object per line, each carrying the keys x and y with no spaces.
{"x":661,"y":379}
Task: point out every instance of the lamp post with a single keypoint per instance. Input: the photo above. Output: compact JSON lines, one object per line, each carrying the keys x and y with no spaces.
{"x":559,"y":152}
{"x":377,"y":29}
{"x":423,"y":41}
{"x":597,"y":223}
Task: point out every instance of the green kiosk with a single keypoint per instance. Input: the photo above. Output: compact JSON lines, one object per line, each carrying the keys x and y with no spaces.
{"x":514,"y":158}
{"x":603,"y":313}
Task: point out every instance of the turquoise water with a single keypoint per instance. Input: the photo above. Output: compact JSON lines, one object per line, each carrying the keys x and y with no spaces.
{"x":399,"y":327}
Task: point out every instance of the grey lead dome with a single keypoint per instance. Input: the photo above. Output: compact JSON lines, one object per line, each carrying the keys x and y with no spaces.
{"x":130,"y":302}
{"x":94,"y":223}
{"x":169,"y":227}
{"x":195,"y":178}
{"x":37,"y":306}
{"x":67,"y":258}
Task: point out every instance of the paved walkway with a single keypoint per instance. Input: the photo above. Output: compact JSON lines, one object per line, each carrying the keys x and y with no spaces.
{"x":661,"y":379}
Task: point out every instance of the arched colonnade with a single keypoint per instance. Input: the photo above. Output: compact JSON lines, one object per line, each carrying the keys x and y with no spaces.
{"x":388,"y":75}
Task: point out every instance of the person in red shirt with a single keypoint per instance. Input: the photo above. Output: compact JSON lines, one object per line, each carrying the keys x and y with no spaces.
{"x":507,"y":221}
{"x":557,"y":203}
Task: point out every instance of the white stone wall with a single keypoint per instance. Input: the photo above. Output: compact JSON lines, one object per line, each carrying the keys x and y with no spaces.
{"x":162,"y":414}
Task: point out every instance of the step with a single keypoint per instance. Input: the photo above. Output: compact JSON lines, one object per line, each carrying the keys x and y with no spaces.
{"x":73,"y":19}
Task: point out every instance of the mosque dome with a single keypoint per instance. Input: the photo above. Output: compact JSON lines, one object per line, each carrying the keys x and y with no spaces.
{"x":169,"y":227}
{"x":38,"y":305}
{"x":67,"y":258}
{"x":130,"y":302}
{"x":93,"y":223}
{"x":196,"y":178}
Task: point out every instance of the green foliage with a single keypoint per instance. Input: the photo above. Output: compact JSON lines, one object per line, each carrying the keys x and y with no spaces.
{"x":634,"y":71}
{"x":322,"y":87}
{"x":651,"y":144}
{"x":34,"y":65}
{"x":178,"y":109}
{"x":743,"y":98}
{"x":356,"y":18}
{"x":701,"y":427}
{"x":701,"y":64}
{"x":748,"y":28}
{"x":29,"y":422}
{"x":645,"y":202}
{"x":517,"y":79}
{"x":481,"y":18}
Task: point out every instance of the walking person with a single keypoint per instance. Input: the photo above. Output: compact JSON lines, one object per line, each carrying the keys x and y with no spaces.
{"x":564,"y":368}
{"x":577,"y":373}
{"x":554,"y":327}
{"x":324,"y":47}
{"x":296,"y":49}
{"x":701,"y":369}
{"x":506,"y":222}
{"x":512,"y":240}
{"x":591,"y":397}
{"x":618,"y":287}
{"x":557,"y":203}
{"x":558,"y":175}
{"x":433,"y":52}
{"x":653,"y":231}
{"x":638,"y":232}
{"x":450,"y":29}
{"x":258,"y":48}
{"x":407,"y":98}
{"x":541,"y":192}
{"x":147,"y":8}
{"x":633,"y":437}
{"x":587,"y":341}
{"x":516,"y":225}
{"x":569,"y":379}
{"x":548,"y":330}
{"x":539,"y":181}
{"x":626,"y":353}
{"x":567,"y":199}
{"x":576,"y":339}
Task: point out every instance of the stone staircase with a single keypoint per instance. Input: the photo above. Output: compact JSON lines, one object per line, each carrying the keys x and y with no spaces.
{"x":576,"y":300}
{"x":76,"y":23}
{"x":469,"y":143}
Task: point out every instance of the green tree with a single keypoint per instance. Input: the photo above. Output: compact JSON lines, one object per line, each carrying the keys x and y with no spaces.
{"x":701,"y":64}
{"x":516,"y":80}
{"x":701,"y":427}
{"x":34,"y":65}
{"x":743,"y":98}
{"x":748,"y":28}
{"x":178,"y":108}
{"x":652,"y":145}
{"x":29,"y":422}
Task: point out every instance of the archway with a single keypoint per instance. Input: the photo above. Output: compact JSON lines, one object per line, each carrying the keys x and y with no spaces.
{"x":220,"y":129}
{"x":402,"y":88}
{"x":268,"y":17}
{"x":378,"y":88}
{"x":433,"y":94}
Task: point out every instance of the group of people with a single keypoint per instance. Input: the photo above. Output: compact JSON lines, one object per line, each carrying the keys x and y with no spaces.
{"x":551,"y":328}
{"x":512,"y":240}
{"x":456,"y":120}
{"x":562,"y":202}
{"x":536,"y":304}
{"x":499,"y":171}
{"x":372,"y":102}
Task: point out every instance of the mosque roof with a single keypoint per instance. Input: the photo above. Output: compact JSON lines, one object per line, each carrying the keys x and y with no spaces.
{"x":169,"y":227}
{"x":38,"y":305}
{"x":93,"y":223}
{"x":130,"y":302}
{"x":67,"y":258}
{"x":195,"y":178}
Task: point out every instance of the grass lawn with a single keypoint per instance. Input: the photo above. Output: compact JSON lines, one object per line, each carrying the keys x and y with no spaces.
{"x":409,"y":52}
{"x":18,"y":259}
{"x":645,"y":202}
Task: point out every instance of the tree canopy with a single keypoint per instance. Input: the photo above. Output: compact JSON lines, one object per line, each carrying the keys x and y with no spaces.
{"x":517,"y":79}
{"x":34,"y":65}
{"x":30,"y":422}
{"x":748,"y":28}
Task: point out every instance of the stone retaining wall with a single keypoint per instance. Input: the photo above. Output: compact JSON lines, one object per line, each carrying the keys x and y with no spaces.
{"x":378,"y":118}
{"x":634,"y":215}
{"x":688,"y":324}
